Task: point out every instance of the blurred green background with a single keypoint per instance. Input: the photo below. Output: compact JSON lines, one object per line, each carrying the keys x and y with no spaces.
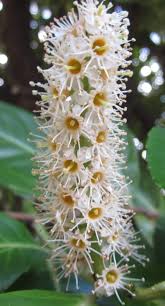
{"x":21,"y":51}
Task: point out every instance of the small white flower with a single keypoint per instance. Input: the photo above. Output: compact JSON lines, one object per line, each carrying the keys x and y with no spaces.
{"x":95,"y":14}
{"x":67,"y":25}
{"x":114,"y":278}
{"x":73,"y":249}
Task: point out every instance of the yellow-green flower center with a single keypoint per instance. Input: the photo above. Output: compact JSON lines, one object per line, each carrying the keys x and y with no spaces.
{"x":71,"y":166}
{"x":52,"y":145}
{"x":100,"y":46}
{"x":54,"y":92}
{"x":112,"y":276}
{"x":78,"y":243}
{"x":74,"y":66}
{"x":100,"y":99}
{"x":101,"y":137}
{"x":72,"y":123}
{"x":97,"y":177}
{"x":95,"y":213}
{"x":67,"y":199}
{"x":115,"y":236}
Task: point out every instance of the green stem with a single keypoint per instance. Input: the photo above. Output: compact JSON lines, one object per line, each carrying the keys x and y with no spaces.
{"x":153,"y":293}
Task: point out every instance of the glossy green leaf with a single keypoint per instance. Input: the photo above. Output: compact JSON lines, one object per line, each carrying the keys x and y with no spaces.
{"x":146,"y":198}
{"x":159,"y":240}
{"x":132,"y":159}
{"x":15,"y":150}
{"x":18,"y":250}
{"x":41,"y":298}
{"x":156,"y":155}
{"x":140,"y":192}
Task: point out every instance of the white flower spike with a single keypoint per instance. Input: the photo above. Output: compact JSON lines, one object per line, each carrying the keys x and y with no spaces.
{"x":83,"y":192}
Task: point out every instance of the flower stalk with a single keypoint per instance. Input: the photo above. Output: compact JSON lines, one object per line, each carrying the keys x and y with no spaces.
{"x":155,"y":292}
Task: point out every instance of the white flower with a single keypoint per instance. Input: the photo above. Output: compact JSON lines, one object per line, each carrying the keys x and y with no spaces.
{"x":95,"y":14}
{"x":73,"y":249}
{"x":114,"y":278}
{"x":68,"y":25}
{"x":123,"y":241}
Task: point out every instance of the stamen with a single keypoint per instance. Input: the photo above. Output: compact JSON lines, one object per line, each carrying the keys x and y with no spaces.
{"x":104,"y":75}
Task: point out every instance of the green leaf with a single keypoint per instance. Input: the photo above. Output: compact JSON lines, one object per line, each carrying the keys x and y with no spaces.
{"x":147,"y":197}
{"x":158,"y":303}
{"x":156,"y":155}
{"x":15,"y":150}
{"x":159,"y":241}
{"x":18,"y":251}
{"x":41,"y":298}
{"x":38,"y":277}
{"x":127,"y":299}
{"x":144,"y":192}
{"x":132,"y":159}
{"x":147,"y":227}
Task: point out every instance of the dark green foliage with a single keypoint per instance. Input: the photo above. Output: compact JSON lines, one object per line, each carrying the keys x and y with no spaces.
{"x":18,"y":251}
{"x":156,"y":155}
{"x":15,"y":151}
{"x":40,"y":298}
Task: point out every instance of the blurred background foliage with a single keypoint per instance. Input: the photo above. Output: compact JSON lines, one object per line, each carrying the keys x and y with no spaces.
{"x":21,"y":51}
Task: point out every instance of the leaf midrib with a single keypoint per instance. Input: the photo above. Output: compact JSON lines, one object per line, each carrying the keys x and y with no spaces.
{"x":22,"y":246}
{"x":16,"y":142}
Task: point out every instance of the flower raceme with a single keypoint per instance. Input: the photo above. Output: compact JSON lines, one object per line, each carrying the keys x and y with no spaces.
{"x":83,"y":193}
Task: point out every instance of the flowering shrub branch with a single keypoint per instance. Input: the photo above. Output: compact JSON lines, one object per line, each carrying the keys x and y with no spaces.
{"x":83,"y":192}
